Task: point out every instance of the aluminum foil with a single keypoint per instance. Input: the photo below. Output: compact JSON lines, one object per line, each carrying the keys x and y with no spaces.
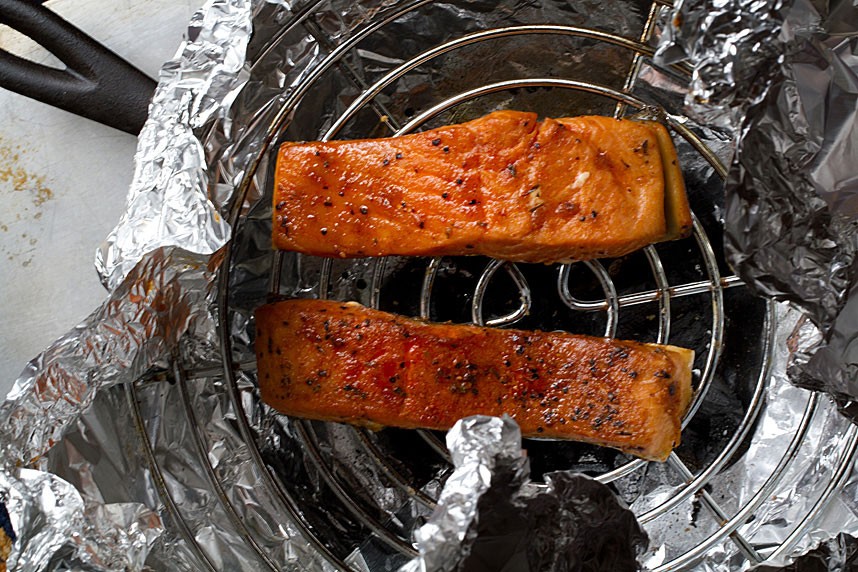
{"x":478,"y":445}
{"x":839,"y":554}
{"x":782,"y":76}
{"x":490,"y":517}
{"x":170,"y":202}
{"x":160,"y":287}
{"x":50,"y":519}
{"x":731,"y":46}
{"x":161,"y":433}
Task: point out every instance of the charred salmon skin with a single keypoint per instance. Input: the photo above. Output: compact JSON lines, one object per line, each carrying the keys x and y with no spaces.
{"x":336,"y":361}
{"x":505,"y":186}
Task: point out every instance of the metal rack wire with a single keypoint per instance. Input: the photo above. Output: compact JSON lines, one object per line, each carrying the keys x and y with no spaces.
{"x":665,"y":294}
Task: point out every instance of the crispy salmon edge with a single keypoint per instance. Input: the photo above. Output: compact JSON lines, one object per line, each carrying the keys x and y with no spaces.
{"x":683,"y":361}
{"x":677,"y":213}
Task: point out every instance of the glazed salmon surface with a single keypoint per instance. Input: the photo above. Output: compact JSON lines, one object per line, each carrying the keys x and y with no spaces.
{"x":338,"y":361}
{"x":505,"y":185}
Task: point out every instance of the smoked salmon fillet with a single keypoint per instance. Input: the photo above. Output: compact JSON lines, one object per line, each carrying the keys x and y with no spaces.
{"x":336,"y":361}
{"x":505,"y":186}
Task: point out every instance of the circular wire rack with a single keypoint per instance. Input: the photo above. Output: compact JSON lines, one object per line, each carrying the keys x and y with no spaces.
{"x":662,"y":300}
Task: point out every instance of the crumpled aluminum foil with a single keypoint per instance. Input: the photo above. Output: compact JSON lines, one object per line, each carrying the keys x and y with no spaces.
{"x":134,"y":408}
{"x":50,"y":519}
{"x":731,"y":47}
{"x":839,"y":554}
{"x":46,"y":512}
{"x":491,"y":518}
{"x":170,"y":202}
{"x":782,"y":75}
{"x":478,"y":446}
{"x":159,"y":291}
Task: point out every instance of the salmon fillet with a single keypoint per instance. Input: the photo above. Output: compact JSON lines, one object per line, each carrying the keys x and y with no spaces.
{"x":505,"y":186}
{"x":336,"y":361}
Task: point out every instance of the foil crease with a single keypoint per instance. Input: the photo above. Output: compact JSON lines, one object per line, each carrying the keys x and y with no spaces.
{"x":837,"y":555}
{"x":140,"y":412}
{"x":158,"y":292}
{"x":477,"y":446}
{"x":823,"y":450}
{"x":45,"y":512}
{"x":133,"y":333}
{"x":491,"y":518}
{"x":730,"y":44}
{"x":49,"y":517}
{"x":169,"y":202}
{"x":782,"y":76}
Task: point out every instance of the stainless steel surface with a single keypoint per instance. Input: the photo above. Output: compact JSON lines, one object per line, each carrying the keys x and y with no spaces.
{"x":63,"y":179}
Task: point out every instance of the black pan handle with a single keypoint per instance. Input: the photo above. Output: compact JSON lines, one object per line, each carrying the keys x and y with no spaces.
{"x":96,"y":83}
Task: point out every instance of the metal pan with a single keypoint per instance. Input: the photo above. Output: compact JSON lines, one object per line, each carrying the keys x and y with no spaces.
{"x":96,"y":84}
